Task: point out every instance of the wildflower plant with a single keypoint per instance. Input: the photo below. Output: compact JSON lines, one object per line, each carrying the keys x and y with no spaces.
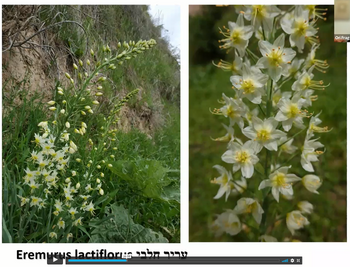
{"x":273,"y":89}
{"x":64,"y":182}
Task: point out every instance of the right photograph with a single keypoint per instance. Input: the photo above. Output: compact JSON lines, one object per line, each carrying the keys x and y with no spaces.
{"x":267,"y":134}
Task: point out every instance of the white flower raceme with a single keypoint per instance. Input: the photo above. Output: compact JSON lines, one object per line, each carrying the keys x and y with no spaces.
{"x":227,"y":222}
{"x":249,"y":205}
{"x":305,"y":207}
{"x":264,"y":133}
{"x":305,"y":82}
{"x":224,"y":180}
{"x":261,"y":15}
{"x":234,"y":109}
{"x":275,"y":57}
{"x":242,"y":157}
{"x":295,"y":221}
{"x":281,"y":182}
{"x":299,"y":28}
{"x":312,"y":183}
{"x":310,"y":154}
{"x":250,"y":84}
{"x":290,"y":112}
{"x":237,"y":35}
{"x":286,"y":146}
{"x":267,"y":238}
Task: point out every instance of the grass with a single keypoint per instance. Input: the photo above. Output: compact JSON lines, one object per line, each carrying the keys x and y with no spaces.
{"x":157,"y":73}
{"x":207,"y":83}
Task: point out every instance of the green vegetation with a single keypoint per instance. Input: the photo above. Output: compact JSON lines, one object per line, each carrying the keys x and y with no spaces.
{"x":140,"y":199}
{"x":207,"y":83}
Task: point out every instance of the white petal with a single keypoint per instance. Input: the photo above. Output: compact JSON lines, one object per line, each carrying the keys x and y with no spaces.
{"x":247,"y":170}
{"x":275,"y":193}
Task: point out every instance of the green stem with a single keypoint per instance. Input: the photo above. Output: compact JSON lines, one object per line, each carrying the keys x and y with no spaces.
{"x":293,"y":136}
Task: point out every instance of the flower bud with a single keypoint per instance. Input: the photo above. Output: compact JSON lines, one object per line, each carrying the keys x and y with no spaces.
{"x":103,"y":162}
{"x":83,"y":113}
{"x":99,"y":87}
{"x":78,"y":160}
{"x":77,"y":186}
{"x":87,"y":107}
{"x":51,"y":103}
{"x":305,"y":207}
{"x":110,"y":165}
{"x":102,"y":174}
{"x":83,"y":124}
{"x":101,"y":79}
{"x":76,"y":131}
{"x":62,"y":111}
{"x":88,"y":63}
{"x":98,"y":94}
{"x":95,"y":102}
{"x":67,"y":181}
{"x":90,"y":161}
{"x":80,"y":63}
{"x":75,"y":66}
{"x":101,"y":191}
{"x":98,"y":166}
{"x":52,"y":108}
{"x":67,"y":75}
{"x":119,"y":45}
{"x":74,"y":173}
{"x":67,"y":125}
{"x":90,"y":111}
{"x":115,"y":148}
{"x":92,"y":52}
{"x":98,"y":181}
{"x":64,"y":102}
{"x":60,"y":93}
{"x":312,"y":183}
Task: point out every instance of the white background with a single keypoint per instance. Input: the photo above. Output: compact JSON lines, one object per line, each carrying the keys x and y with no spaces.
{"x":314,"y":254}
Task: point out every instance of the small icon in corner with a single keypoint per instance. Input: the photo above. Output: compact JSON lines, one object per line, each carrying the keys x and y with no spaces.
{"x":291,"y":260}
{"x":55,"y":260}
{"x":285,"y":260}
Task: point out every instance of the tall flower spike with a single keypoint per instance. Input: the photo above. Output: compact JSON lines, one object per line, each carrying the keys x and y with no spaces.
{"x":237,"y":36}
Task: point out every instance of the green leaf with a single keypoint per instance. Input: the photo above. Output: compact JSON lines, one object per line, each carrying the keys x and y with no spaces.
{"x":120,"y":228}
{"x":6,"y":237}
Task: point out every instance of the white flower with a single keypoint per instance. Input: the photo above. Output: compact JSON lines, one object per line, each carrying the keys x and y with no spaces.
{"x":237,"y":35}
{"x":293,"y":69}
{"x":310,"y":154}
{"x":234,"y":109}
{"x":227,"y":222}
{"x":267,"y":238}
{"x":235,"y":66}
{"x":224,"y":180}
{"x":312,"y":183}
{"x":228,"y":137}
{"x":251,"y":114}
{"x":305,"y":82}
{"x":314,"y":121}
{"x":239,"y":186}
{"x":251,"y":84}
{"x":281,"y":182}
{"x":249,"y":205}
{"x":290,"y":112}
{"x":243,"y":157}
{"x":275,"y":57}
{"x":305,"y":207}
{"x":261,"y":15}
{"x":298,"y":28}
{"x":320,"y":65}
{"x":53,"y":235}
{"x":295,"y":221}
{"x":264,"y":133}
{"x":287,"y":147}
{"x":277,"y":95}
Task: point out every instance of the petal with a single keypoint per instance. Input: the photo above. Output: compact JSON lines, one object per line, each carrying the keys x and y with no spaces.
{"x":228,"y":157}
{"x":264,"y":184}
{"x":221,"y":192}
{"x":271,"y":146}
{"x":249,"y":132}
{"x":280,"y":116}
{"x":275,"y":193}
{"x":279,"y":42}
{"x":247,"y":169}
{"x":265,"y":47}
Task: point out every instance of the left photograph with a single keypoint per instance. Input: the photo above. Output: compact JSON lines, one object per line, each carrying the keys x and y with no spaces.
{"x":91,"y":124}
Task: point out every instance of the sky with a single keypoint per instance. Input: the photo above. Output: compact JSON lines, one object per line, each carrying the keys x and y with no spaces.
{"x":169,"y":17}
